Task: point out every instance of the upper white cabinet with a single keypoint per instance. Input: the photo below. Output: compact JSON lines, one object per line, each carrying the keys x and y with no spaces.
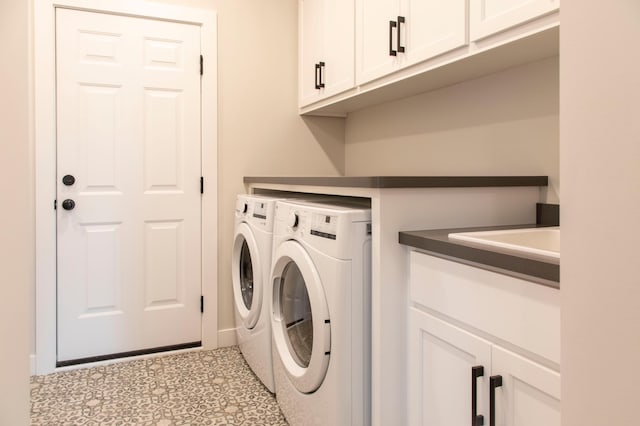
{"x":393,"y":34}
{"x":487,"y":17}
{"x":358,"y":53}
{"x":326,"y":48}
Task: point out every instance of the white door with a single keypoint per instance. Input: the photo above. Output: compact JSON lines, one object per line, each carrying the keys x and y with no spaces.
{"x":442,"y":363}
{"x":326,"y":48}
{"x":376,"y":38}
{"x":488,"y":17}
{"x":128,"y":131}
{"x":432,"y":27}
{"x":529,"y":394}
{"x":311,"y":16}
{"x":338,"y":48}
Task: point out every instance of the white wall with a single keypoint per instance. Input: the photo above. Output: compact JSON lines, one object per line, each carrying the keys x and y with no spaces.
{"x":16,"y":212}
{"x":504,"y":123}
{"x":600,"y":215}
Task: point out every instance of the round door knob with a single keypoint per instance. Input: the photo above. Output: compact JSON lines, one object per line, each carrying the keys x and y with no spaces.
{"x":292,"y":220}
{"x":68,"y":204}
{"x":68,"y":180}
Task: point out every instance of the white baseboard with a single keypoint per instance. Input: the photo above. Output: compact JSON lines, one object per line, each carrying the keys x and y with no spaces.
{"x":227,"y":337}
{"x":32,"y":364}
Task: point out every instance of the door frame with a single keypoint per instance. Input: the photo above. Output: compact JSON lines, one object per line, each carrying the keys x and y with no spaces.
{"x":45,"y":160}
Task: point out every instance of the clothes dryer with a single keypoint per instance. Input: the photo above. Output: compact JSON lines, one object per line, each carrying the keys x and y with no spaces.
{"x":320,"y":316}
{"x":251,"y":262}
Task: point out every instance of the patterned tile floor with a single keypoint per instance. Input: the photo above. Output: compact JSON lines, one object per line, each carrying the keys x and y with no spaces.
{"x":196,"y":388}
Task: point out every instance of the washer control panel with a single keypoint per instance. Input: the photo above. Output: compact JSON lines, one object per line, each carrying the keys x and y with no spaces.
{"x":325,"y":226}
{"x":260,"y":210}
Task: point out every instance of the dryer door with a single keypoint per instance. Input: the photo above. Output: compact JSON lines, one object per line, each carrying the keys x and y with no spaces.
{"x":246,"y":275}
{"x":300,"y":317}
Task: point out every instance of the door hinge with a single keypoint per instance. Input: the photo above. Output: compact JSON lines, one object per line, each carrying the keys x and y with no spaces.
{"x":55,"y":204}
{"x":202,"y":304}
{"x":201,"y":185}
{"x":201,"y":65}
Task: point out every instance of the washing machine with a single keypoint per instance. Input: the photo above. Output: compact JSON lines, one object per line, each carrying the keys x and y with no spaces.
{"x":251,"y":263}
{"x":321,"y":310}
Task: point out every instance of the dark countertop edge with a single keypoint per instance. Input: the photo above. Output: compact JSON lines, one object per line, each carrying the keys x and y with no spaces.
{"x":437,"y":242}
{"x":401,"y":181}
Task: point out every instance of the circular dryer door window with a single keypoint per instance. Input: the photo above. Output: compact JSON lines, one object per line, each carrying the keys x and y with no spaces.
{"x":300,"y":321}
{"x":246,"y":276}
{"x":296,"y":314}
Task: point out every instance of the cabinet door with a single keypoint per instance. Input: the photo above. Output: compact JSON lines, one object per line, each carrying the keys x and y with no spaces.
{"x":487,"y":17}
{"x":311,"y":24}
{"x":441,"y":357}
{"x":373,"y":38}
{"x":326,"y":48}
{"x":432,"y":27}
{"x":338,"y":51}
{"x":530,"y":392}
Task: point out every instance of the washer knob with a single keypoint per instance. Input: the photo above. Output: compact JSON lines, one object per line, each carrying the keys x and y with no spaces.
{"x":242,"y":207}
{"x":292,"y":220}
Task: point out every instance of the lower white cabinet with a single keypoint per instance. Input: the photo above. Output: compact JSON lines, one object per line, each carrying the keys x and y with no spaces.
{"x":459,"y":374}
{"x":443,"y":362}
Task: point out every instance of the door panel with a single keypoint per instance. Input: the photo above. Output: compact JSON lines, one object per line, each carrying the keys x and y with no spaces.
{"x":100,"y":116}
{"x":338,"y":46}
{"x":164,"y":274}
{"x":441,"y":357}
{"x":311,"y":45}
{"x":372,"y":48}
{"x":103,"y":280}
{"x":433,"y":27}
{"x":162,"y":140}
{"x":488,"y":17}
{"x":128,"y":130}
{"x":530,"y":392}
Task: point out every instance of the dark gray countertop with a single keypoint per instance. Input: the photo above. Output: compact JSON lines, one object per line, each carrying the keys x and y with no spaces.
{"x":401,"y":181}
{"x":437,"y":243}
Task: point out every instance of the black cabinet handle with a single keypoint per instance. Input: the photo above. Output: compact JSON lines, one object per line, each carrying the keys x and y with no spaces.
{"x":392,"y":25}
{"x":400,"y":22}
{"x":476,"y":371}
{"x":320,"y":79}
{"x":494,"y":382}
{"x":317,"y":72}
{"x":319,"y":84}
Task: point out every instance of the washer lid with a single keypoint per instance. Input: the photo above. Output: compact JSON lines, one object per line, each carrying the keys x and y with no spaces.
{"x":300,"y":317}
{"x":246,"y":275}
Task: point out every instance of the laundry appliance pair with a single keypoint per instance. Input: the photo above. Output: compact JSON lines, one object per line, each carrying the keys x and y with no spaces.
{"x":303,"y":322}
